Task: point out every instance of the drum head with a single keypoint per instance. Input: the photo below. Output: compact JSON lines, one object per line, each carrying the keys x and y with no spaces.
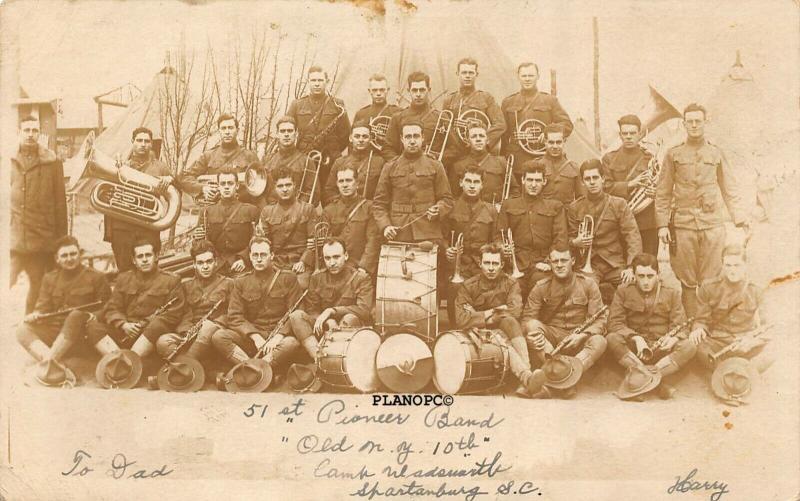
{"x":405,"y":363}
{"x":360,"y":360}
{"x":451,"y":356}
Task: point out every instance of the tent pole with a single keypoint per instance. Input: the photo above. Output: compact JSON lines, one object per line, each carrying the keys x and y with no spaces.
{"x":596,"y":79}
{"x":553,"y":88}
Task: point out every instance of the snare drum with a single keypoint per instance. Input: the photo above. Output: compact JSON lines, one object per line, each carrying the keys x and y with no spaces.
{"x":405,"y":294}
{"x":465,"y":363}
{"x":346,"y":359}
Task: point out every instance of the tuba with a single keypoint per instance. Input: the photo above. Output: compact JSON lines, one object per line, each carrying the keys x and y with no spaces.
{"x":126,"y":194}
{"x":305,"y":193}
{"x":586,"y":229}
{"x":438,"y":142}
{"x":378,"y":127}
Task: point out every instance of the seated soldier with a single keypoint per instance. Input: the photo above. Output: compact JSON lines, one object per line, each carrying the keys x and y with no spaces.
{"x":641,"y":314}
{"x":556,"y":307}
{"x":730,"y":316}
{"x":257,"y":303}
{"x":47,"y":334}
{"x":338,"y":296}
{"x":202,"y":292}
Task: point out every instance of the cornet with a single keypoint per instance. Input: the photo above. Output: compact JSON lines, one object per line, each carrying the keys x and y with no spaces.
{"x":458,"y":243}
{"x":313,"y":157}
{"x":438,"y":142}
{"x":509,"y":240}
{"x":321,"y":231}
{"x":586,"y":230}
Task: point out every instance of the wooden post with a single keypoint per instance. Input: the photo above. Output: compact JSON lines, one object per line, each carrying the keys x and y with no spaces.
{"x":553,"y":88}
{"x":595,"y":31}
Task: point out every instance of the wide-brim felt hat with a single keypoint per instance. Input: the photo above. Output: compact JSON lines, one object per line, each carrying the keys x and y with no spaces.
{"x":562,"y":371}
{"x":251,"y":376}
{"x":119,"y":369}
{"x":404,"y":363}
{"x":303,"y":378}
{"x":182,"y":374}
{"x":734,"y":379}
{"x":53,"y":373}
{"x":638,"y":381}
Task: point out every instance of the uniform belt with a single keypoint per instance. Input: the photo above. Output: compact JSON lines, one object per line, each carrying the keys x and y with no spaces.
{"x":401,"y":208}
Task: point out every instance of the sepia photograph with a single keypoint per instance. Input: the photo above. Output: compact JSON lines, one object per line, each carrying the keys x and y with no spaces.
{"x":400,"y":249}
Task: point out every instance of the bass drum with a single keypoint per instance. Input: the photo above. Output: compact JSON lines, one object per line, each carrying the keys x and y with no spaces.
{"x":346,"y":359}
{"x":468,"y":363}
{"x":405,"y":294}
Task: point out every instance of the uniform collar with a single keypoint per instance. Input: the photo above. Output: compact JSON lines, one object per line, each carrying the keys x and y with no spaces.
{"x":42,"y":154}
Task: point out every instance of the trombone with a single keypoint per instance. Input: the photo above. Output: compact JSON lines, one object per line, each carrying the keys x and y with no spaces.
{"x":321,"y":231}
{"x":586,"y":230}
{"x":314,"y":157}
{"x":508,"y":239}
{"x":506,"y":182}
{"x":458,"y":243}
{"x":443,"y":125}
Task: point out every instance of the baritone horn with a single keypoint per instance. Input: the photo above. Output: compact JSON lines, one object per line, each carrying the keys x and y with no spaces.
{"x":311,"y":168}
{"x":586,"y":230}
{"x":458,"y":243}
{"x":508,"y":239}
{"x":132,"y":196}
{"x":640,"y":200}
{"x":438,"y":142}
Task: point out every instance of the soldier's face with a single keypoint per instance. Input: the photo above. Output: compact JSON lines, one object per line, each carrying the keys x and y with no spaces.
{"x":561,"y":263}
{"x":734,"y":268}
{"x":287,"y":135}
{"x":68,"y":257}
{"x":477,"y":139}
{"x":593,"y":181}
{"x":144,"y":257}
{"x":528,"y":76}
{"x":419,"y":92}
{"x":29,"y":133}
{"x":142,"y":143}
{"x":467,"y":74}
{"x":227,"y":131}
{"x":260,"y":256}
{"x":228,"y":183}
{"x":412,"y":138}
{"x":316,"y":83}
{"x":359,"y":138}
{"x":285,"y":188}
{"x":491,"y":264}
{"x":695,"y":124}
{"x":646,"y":278}
{"x":554,"y":144}
{"x":533,"y":182}
{"x":204,"y":264}
{"x":335,"y":257}
{"x":377,"y":91}
{"x":471,"y":184}
{"x":346,"y":182}
{"x":630,"y":136}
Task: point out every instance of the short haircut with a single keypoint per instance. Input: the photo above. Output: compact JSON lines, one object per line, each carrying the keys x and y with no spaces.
{"x":28,"y":118}
{"x":629,"y":120}
{"x":286,"y":119}
{"x":527,"y":64}
{"x":377,"y":77}
{"x":553,"y":128}
{"x":560,"y":248}
{"x":317,"y":69}
{"x":141,"y":241}
{"x":228,"y":170}
{"x":359,"y":123}
{"x":227,"y":116}
{"x":467,"y":60}
{"x":282,"y":172}
{"x":645,"y":260}
{"x":345,"y":169}
{"x":592,"y":163}
{"x":734,"y":250}
{"x":201,"y":247}
{"x":411,"y":122}
{"x":418,"y":76}
{"x":66,"y":241}
{"x":532,"y":167}
{"x":259,"y":240}
{"x":474,"y":123}
{"x":491,"y":248}
{"x":139,"y":130}
{"x":333,"y":241}
{"x":694,"y":107}
{"x":473,"y":168}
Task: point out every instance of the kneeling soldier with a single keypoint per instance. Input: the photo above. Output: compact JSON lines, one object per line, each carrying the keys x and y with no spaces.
{"x":338,"y":296}
{"x":641,"y":315}
{"x":46,"y":334}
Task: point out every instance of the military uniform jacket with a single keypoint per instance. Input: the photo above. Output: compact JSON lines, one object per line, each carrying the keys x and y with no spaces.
{"x":215,"y":160}
{"x":618,"y":170}
{"x":539,"y":105}
{"x":38,"y":202}
{"x":288,"y":226}
{"x":350,"y":292}
{"x":478,"y":222}
{"x":201,"y":294}
{"x":230,"y":227}
{"x":728,"y":307}
{"x":482,"y":294}
{"x":353,"y":222}
{"x":563,"y":179}
{"x":494,"y":174}
{"x":136,"y":296}
{"x":313,"y":116}
{"x":292,"y":159}
{"x":695,"y":179}
{"x":406,"y":189}
{"x":258,"y":300}
{"x":581,"y":299}
{"x":425,"y":114}
{"x":474,"y":100}
{"x":616,"y":226}
{"x":61,"y":289}
{"x":650,"y":316}
{"x":536,"y":225}
{"x":370,"y":111}
{"x":360,"y":163}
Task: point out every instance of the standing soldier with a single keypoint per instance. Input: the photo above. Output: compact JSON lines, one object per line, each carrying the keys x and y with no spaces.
{"x":530,"y":103}
{"x":228,"y":225}
{"x":288,"y":225}
{"x":321,"y":120}
{"x":287,"y":156}
{"x":378,"y":89}
{"x":227,"y":154}
{"x":362,"y":160}
{"x":625,"y":170}
{"x":641,"y":314}
{"x":492,"y":167}
{"x":38,"y":208}
{"x":537,"y":224}
{"x":70,"y":285}
{"x":695,"y":180}
{"x":564,"y":183}
{"x":615,"y":240}
{"x":420,"y":110}
{"x":466,"y":98}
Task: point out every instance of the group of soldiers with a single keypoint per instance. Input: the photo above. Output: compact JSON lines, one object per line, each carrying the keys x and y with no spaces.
{"x":267,"y":286}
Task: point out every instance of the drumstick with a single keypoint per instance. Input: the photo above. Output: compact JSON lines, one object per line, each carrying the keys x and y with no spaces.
{"x":413,"y":220}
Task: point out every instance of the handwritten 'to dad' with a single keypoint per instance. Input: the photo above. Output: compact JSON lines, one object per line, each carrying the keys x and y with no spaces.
{"x":120,"y":468}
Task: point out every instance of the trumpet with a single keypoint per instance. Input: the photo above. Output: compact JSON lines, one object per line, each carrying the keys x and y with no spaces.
{"x":713,"y":358}
{"x":378,"y":127}
{"x":321,"y":231}
{"x":201,"y":229}
{"x":508,"y":239}
{"x":649,"y":352}
{"x":435,"y":147}
{"x":254,"y":180}
{"x":458,"y":243}
{"x":586,"y":230}
{"x":314,"y":157}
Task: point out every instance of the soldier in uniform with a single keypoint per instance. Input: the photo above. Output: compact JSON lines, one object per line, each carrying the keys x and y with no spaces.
{"x":625,"y":170}
{"x":351,"y":220}
{"x":71,"y":284}
{"x":378,"y":88}
{"x":493,"y":168}
{"x":564,"y":184}
{"x":38,"y":208}
{"x":420,"y":110}
{"x":339,"y":296}
{"x":528,"y":103}
{"x":228,"y":154}
{"x":288,"y":225}
{"x":616,"y":239}
{"x":467,"y":97}
{"x":201,"y":293}
{"x":321,"y":120}
{"x":229,"y":225}
{"x":640,"y":314}
{"x":556,"y":306}
{"x":362,"y":160}
{"x":695,"y":180}
{"x":257,"y":302}
{"x":287,"y":156}
{"x":537,"y":224}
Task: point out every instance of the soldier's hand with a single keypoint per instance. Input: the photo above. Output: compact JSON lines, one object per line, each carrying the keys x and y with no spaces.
{"x":582,"y":242}
{"x":650,"y":191}
{"x":390,"y":232}
{"x":319,"y":324}
{"x":299,"y":267}
{"x":432,"y":212}
{"x":663,"y":235}
{"x":238,"y":266}
{"x":575,"y":340}
{"x":210,"y":192}
{"x":538,"y":340}
{"x":31,"y":317}
{"x":639,"y":180}
{"x":697,"y":336}
{"x":627,"y":276}
{"x":258,"y":339}
{"x":640,"y":344}
{"x":310,"y":243}
{"x":508,"y":249}
{"x":131,"y":329}
{"x":469,"y":308}
{"x":747,"y":344}
{"x":450,"y":253}
{"x":163,"y":183}
{"x":669,"y":343}
{"x":543,"y":267}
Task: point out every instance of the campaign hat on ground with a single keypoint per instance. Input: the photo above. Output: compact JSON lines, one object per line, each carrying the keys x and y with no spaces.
{"x":182,"y":374}
{"x":119,"y":369}
{"x":733,"y":380}
{"x":562,"y":371}
{"x":303,"y":378}
{"x":54,"y":373}
{"x":638,"y":381}
{"x":251,"y":376}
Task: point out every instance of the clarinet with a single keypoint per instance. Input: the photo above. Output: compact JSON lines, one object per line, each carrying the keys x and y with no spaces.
{"x":191,"y":334}
{"x":577,"y":330}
